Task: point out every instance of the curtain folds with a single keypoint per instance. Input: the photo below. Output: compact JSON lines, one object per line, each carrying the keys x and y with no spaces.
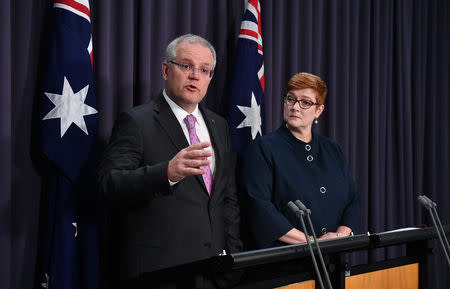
{"x":386,"y":64}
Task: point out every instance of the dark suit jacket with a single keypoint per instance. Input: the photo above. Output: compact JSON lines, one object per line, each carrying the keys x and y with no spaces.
{"x":160,"y":225}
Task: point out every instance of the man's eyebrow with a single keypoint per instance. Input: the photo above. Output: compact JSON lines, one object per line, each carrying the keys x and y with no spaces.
{"x":189,"y":61}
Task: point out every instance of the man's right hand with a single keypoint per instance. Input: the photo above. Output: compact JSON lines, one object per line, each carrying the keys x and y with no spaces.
{"x":188,"y":162}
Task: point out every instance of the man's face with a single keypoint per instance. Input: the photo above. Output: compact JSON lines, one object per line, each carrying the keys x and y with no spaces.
{"x":188,"y":88}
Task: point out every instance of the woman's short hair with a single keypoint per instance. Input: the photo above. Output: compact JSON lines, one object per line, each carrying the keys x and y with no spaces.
{"x":308,"y":80}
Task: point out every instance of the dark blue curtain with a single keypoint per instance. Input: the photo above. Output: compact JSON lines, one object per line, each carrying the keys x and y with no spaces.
{"x":386,"y":64}
{"x":5,"y":148}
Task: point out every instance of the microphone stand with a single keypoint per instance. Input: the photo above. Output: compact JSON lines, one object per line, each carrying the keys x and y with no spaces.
{"x":434,"y":206}
{"x":431,"y":207}
{"x":307,"y":211}
{"x":300,"y":214}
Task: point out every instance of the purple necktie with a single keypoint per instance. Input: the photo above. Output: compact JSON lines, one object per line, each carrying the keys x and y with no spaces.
{"x":189,"y":120}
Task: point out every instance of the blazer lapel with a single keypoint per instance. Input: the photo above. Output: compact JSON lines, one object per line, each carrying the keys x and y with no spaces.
{"x":169,"y":123}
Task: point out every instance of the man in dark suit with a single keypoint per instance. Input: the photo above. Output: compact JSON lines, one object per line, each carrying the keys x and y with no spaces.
{"x":169,"y":169}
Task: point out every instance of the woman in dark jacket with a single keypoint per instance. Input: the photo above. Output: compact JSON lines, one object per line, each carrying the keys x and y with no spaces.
{"x":294,"y":163}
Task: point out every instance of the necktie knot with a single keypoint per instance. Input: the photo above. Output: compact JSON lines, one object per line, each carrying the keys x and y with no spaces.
{"x":189,"y":120}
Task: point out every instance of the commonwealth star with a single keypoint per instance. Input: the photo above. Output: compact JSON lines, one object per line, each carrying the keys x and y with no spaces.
{"x":252,"y":117}
{"x":70,"y":107}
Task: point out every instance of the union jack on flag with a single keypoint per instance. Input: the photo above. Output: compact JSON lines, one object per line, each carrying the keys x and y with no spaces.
{"x":68,"y":121}
{"x":246,"y":101}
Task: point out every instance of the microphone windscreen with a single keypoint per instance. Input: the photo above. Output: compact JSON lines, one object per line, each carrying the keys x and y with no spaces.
{"x":301,"y":205}
{"x":293,"y":207}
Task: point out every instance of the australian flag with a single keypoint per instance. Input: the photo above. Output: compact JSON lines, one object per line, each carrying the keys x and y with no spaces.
{"x":68,"y":121}
{"x":246,"y":106}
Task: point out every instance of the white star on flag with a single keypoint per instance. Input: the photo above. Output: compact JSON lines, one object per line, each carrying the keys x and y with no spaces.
{"x":70,"y":107}
{"x":45,"y":284}
{"x":252,"y":117}
{"x":76,"y":229}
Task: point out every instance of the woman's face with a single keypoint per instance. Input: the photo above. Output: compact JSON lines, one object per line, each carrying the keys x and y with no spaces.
{"x":300,"y":119}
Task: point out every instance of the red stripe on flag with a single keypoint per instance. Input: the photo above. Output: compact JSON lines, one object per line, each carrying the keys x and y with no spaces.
{"x":254,"y":3}
{"x":75,"y":5}
{"x":263,"y":82}
{"x":249,"y":33}
{"x":260,"y":47}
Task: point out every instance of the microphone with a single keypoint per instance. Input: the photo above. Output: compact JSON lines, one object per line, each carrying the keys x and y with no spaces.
{"x":431,"y":207}
{"x":300,"y":214}
{"x":429,"y":201}
{"x":295,"y":210}
{"x":307,"y":212}
{"x":424,"y":202}
{"x":302,"y":207}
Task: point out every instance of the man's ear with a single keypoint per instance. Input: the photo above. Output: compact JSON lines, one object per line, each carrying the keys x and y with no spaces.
{"x":164,"y":68}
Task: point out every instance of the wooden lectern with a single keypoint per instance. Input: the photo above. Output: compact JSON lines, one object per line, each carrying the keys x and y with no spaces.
{"x":411,"y":271}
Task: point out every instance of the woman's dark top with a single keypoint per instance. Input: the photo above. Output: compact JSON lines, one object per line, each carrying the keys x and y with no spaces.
{"x":278,"y":168}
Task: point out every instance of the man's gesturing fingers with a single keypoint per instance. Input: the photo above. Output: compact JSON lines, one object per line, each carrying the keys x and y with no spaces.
{"x":188,"y":162}
{"x":198,"y":146}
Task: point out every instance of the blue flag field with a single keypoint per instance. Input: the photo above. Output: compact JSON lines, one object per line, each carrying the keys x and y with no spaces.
{"x":246,"y":101}
{"x":68,"y":121}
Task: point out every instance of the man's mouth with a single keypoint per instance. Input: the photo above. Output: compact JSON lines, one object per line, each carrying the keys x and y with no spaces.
{"x":191,"y":87}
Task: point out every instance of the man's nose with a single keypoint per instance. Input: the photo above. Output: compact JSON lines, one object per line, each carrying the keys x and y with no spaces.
{"x":194,"y":73}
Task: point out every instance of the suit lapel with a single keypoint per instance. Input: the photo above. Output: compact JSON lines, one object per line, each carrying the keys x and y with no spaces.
{"x":169,"y":123}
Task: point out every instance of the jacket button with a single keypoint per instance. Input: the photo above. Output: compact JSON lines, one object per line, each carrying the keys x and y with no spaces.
{"x":207,"y":244}
{"x":323,"y":190}
{"x":310,"y":158}
{"x":307,"y":147}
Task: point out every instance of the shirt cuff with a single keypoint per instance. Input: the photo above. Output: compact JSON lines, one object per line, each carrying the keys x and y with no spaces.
{"x":172,"y":183}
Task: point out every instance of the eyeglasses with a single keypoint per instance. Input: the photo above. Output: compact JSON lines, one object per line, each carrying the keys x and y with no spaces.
{"x":304,"y":103}
{"x":189,"y":68}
